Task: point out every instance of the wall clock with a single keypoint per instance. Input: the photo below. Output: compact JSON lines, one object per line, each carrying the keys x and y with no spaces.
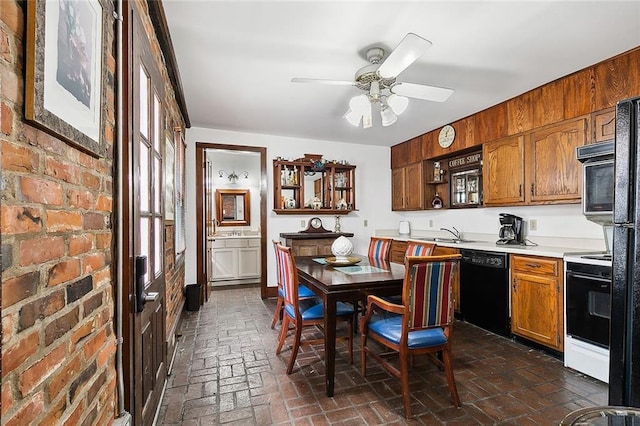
{"x":446,"y":136}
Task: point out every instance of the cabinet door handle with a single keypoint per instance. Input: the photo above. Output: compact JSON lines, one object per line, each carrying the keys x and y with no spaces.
{"x":533,"y":265}
{"x":531,"y":189}
{"x":514,"y":285}
{"x":520,"y":190}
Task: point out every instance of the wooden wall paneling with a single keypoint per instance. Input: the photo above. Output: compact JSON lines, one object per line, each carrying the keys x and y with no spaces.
{"x":578,"y":95}
{"x":399,"y":155}
{"x":548,"y":104}
{"x":465,"y":134}
{"x":427,"y":143}
{"x":414,"y":147}
{"x":615,"y":80}
{"x":519,"y":114}
{"x":491,"y":123}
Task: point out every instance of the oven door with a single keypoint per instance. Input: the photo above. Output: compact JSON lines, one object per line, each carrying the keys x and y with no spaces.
{"x":588,"y":307}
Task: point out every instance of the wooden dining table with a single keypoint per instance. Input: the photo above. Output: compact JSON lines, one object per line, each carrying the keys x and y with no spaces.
{"x":345,"y":283}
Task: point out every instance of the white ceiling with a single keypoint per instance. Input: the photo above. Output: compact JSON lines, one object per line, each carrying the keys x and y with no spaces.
{"x":236,"y":58}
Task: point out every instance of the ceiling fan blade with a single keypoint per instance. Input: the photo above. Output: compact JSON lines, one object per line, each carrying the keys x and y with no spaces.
{"x":421,"y":91}
{"x":408,"y":50}
{"x":322,"y":81}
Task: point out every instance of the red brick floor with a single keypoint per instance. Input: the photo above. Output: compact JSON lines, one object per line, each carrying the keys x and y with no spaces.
{"x":226,"y":372}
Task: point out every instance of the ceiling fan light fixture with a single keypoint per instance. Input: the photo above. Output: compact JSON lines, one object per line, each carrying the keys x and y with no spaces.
{"x":353,"y":117}
{"x":387,"y":115}
{"x":397,"y":103}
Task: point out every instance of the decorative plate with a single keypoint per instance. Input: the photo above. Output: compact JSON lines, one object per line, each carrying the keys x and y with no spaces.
{"x":349,"y":260}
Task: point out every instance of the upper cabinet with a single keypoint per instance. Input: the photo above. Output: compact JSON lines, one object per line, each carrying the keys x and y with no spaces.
{"x":503,"y":171}
{"x":407,"y":191}
{"x":310,"y":185}
{"x":553,"y":174}
{"x":542,"y":170}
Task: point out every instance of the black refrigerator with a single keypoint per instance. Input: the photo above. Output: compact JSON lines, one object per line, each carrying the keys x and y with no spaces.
{"x":624,"y":364}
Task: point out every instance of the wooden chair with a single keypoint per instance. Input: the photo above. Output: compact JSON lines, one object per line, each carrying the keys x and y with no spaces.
{"x":303,"y":292}
{"x":422,"y":324}
{"x":303,"y":313}
{"x":379,"y":248}
{"x":419,"y":248}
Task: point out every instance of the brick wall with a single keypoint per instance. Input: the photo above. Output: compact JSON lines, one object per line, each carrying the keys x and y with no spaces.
{"x":58,"y":342}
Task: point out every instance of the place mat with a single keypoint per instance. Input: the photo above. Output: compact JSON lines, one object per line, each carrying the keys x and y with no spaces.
{"x":349,"y":260}
{"x":320,"y":260}
{"x":355,"y":270}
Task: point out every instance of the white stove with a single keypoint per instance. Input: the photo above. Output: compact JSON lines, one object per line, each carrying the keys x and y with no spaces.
{"x":587,"y":313}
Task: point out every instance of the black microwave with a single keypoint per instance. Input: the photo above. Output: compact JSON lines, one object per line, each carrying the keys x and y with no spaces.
{"x":597,"y":181}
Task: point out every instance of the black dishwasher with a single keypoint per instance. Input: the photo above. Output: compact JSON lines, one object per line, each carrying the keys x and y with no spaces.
{"x":484,"y":290}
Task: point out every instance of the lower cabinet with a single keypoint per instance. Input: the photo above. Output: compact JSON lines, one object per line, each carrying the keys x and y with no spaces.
{"x":235,"y":259}
{"x":537,"y":300}
{"x":398,"y":249}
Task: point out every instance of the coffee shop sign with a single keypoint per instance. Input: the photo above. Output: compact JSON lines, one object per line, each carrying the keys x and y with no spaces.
{"x":466,"y":160}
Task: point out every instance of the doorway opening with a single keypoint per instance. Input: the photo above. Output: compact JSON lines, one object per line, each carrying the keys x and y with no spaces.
{"x":231,"y":216}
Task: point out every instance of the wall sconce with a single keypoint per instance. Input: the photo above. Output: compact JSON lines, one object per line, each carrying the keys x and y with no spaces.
{"x":233,"y":176}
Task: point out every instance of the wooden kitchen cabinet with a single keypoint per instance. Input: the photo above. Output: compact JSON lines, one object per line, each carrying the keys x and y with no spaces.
{"x":503,"y":170}
{"x":540,"y":168}
{"x":398,"y":250}
{"x":407,"y":184}
{"x":537,"y":300}
{"x":553,"y":173}
{"x":603,"y":124}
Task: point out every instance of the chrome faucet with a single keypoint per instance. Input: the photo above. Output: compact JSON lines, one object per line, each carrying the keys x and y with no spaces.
{"x":457,"y":234}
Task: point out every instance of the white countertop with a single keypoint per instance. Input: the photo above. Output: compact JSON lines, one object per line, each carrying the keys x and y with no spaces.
{"x":549,"y":247}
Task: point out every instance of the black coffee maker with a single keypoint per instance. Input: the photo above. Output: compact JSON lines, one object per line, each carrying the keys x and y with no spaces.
{"x":510,"y":229}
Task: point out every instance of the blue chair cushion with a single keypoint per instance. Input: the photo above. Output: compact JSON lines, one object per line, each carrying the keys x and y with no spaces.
{"x":312,"y":309}
{"x":389,"y":326}
{"x":303,"y":292}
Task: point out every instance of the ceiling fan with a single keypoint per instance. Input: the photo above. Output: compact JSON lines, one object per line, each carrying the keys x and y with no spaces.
{"x":379,"y":81}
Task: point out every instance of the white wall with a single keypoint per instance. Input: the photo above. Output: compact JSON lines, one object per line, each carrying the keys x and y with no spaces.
{"x":373,"y":193}
{"x":373,"y":198}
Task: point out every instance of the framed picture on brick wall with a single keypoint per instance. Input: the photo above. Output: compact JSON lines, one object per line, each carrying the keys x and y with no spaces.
{"x":65,"y":70}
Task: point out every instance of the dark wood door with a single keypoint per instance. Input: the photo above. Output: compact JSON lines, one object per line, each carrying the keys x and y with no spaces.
{"x":147,"y":138}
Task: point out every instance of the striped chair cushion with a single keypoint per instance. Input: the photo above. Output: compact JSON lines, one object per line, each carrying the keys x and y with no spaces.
{"x":379,"y":248}
{"x":430,"y":294}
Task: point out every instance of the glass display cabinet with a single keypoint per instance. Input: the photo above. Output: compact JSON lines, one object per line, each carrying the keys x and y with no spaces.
{"x":313,"y":185}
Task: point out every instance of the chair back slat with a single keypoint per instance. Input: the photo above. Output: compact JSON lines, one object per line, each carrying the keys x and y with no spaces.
{"x":379,"y":248}
{"x":430,"y":294}
{"x":278,"y":269}
{"x":287,"y":274}
{"x":419,"y":248}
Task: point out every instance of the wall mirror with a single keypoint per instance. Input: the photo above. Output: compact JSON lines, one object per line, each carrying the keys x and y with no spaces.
{"x":232,"y":207}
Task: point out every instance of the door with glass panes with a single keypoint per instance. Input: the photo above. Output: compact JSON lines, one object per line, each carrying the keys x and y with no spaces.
{"x":147,"y":228}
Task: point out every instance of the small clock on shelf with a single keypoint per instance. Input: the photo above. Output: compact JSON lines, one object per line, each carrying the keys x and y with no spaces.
{"x":315,"y":226}
{"x":446,"y":136}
